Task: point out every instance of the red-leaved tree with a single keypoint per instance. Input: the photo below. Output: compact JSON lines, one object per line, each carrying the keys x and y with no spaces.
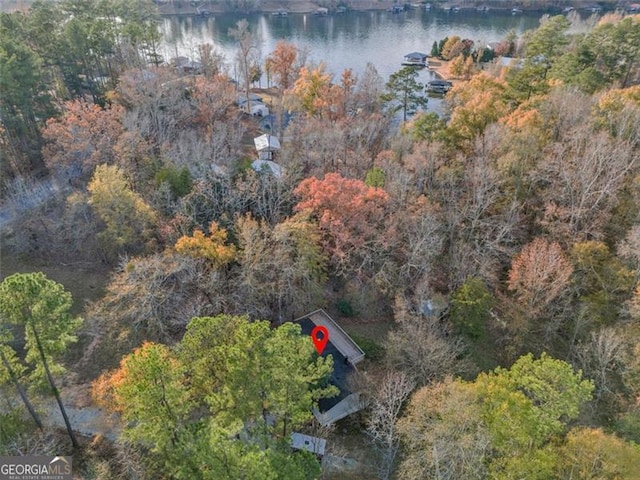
{"x":351,"y":216}
{"x":82,"y":138}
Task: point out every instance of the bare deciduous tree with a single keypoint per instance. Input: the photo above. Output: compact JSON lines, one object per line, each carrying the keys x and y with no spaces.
{"x":151,"y":298}
{"x":247,"y":51}
{"x":385,"y":407}
{"x":423,"y":347}
{"x":584,"y":173}
{"x":281,"y":268}
{"x":601,"y":358}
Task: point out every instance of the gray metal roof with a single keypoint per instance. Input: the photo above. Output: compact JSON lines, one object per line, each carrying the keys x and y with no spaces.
{"x":267,"y":143}
{"x":311,"y":444}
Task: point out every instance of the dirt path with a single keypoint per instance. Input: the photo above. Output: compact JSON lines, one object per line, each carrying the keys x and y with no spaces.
{"x":84,"y":417}
{"x":440,"y":68}
{"x":88,"y":421}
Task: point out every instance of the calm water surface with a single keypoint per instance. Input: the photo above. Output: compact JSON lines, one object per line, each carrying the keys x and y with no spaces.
{"x":348,"y":40}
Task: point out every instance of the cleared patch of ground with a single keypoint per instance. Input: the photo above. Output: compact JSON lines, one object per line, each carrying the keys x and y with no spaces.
{"x":86,"y":281}
{"x":373,"y":329}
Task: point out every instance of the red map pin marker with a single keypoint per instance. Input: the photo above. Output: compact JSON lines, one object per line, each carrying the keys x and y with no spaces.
{"x":320,"y":337}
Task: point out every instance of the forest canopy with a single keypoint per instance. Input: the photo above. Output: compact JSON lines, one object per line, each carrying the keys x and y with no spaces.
{"x":486,"y":259}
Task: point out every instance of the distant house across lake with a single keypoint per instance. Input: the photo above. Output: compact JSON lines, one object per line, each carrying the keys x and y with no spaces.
{"x":415,"y":59}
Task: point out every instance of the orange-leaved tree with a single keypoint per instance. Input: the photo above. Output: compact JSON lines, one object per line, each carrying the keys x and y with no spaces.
{"x":281,"y":64}
{"x":311,"y":90}
{"x":475,"y":105}
{"x":148,"y":391}
{"x":539,"y":274}
{"x":82,"y":138}
{"x":350,"y":214}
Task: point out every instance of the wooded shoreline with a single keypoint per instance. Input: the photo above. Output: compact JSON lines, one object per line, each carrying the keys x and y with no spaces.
{"x":186,"y":7}
{"x":306,"y":6}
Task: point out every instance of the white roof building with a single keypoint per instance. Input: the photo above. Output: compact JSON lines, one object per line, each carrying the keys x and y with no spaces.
{"x":311,"y":444}
{"x":266,"y":143}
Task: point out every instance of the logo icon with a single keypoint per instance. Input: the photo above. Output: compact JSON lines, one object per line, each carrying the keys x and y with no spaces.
{"x":320,"y":337}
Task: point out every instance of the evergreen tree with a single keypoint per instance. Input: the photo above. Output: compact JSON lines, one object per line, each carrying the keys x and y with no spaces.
{"x":404,"y":92}
{"x":42,"y":307}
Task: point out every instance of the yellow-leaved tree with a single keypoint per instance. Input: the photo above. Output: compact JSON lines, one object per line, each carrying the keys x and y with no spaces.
{"x":129,"y":221}
{"x":213,"y":247}
{"x":311,"y":90}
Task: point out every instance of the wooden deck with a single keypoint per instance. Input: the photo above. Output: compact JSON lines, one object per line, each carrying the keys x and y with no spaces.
{"x":346,"y":407}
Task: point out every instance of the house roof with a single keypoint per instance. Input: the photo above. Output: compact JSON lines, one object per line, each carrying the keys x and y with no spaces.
{"x":271,"y":122}
{"x":417,"y":55}
{"x":267,"y":166}
{"x":186,"y":63}
{"x":337,"y":336}
{"x":266,"y":143}
{"x":253,"y":106}
{"x":342,"y":368}
{"x":253,"y":97}
{"x":346,"y":353}
{"x":311,"y":444}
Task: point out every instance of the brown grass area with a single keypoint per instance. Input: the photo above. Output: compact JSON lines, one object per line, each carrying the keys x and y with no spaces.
{"x":441,"y":68}
{"x":85,"y":281}
{"x":373,"y":329}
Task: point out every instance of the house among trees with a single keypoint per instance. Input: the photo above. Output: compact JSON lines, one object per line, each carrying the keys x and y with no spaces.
{"x":346,"y":354}
{"x":186,"y":65}
{"x":266,"y":145}
{"x":510,"y":62}
{"x":311,"y":444}
{"x":267,"y":166}
{"x":244,"y":98}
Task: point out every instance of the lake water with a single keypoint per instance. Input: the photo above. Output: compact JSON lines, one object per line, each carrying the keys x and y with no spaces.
{"x":347,"y":40}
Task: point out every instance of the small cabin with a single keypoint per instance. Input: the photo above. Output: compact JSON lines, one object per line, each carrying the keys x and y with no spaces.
{"x":186,"y":65}
{"x":510,"y":62}
{"x":311,"y":444}
{"x":266,"y":146}
{"x":415,"y":59}
{"x":258,"y":109}
{"x":439,"y":86}
{"x":251,"y":97}
{"x":346,"y":354}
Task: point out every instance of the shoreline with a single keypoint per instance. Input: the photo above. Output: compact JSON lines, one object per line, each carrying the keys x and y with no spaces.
{"x":312,"y":6}
{"x":301,"y":7}
{"x":218,"y":7}
{"x":440,"y":68}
